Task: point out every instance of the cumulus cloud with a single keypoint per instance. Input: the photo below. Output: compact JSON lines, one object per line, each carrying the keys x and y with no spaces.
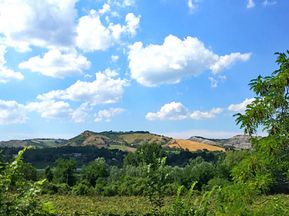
{"x":107,"y":114}
{"x":12,"y":113}
{"x":43,"y":23}
{"x":93,"y":35}
{"x":80,"y":114}
{"x":176,"y":59}
{"x":57,"y":64}
{"x":177,"y":111}
{"x":226,"y":61}
{"x":198,"y":115}
{"x":170,"y":111}
{"x":241,"y":106}
{"x":6,"y":74}
{"x":132,"y":23}
{"x":105,"y":89}
{"x":50,"y":109}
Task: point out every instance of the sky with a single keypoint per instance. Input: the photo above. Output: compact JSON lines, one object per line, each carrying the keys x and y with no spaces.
{"x":173,"y":67}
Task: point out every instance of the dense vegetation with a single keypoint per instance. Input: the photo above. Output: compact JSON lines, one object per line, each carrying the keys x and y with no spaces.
{"x":247,"y":182}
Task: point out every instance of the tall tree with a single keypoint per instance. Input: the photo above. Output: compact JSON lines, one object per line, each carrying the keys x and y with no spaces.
{"x":268,"y":164}
{"x":65,"y":171}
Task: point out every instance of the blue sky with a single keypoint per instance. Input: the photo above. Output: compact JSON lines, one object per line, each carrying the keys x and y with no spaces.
{"x":174,"y":67}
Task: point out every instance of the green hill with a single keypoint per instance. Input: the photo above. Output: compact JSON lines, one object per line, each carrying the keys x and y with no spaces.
{"x":127,"y":141}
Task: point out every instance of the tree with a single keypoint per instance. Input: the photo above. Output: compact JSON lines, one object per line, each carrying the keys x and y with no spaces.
{"x":65,"y":171}
{"x":148,"y":153}
{"x":48,"y":174}
{"x":267,"y":166}
{"x":95,"y":170}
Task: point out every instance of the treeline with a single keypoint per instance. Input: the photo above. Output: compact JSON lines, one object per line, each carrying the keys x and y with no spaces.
{"x":41,"y":158}
{"x":132,"y":178}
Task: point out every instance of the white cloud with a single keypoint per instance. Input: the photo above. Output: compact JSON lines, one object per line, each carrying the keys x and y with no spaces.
{"x":132,"y":23}
{"x":6,"y":74}
{"x":93,"y":35}
{"x":42,"y":23}
{"x":80,"y":114}
{"x":250,"y":4}
{"x":105,"y":9}
{"x":174,"y":60}
{"x":241,"y":106}
{"x":226,"y":61}
{"x":57,"y":64}
{"x":170,"y":111}
{"x":199,"y":115}
{"x":107,"y":114}
{"x":121,"y":4}
{"x":114,"y":58}
{"x":177,"y":111}
{"x":128,"y":3}
{"x":214,"y":81}
{"x":50,"y":109}
{"x":192,"y":5}
{"x":107,"y":88}
{"x":12,"y":113}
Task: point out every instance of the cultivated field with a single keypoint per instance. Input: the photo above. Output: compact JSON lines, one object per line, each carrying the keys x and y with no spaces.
{"x":193,"y":145}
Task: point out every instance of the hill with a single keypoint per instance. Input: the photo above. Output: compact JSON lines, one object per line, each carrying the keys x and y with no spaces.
{"x":127,"y":141}
{"x":37,"y":143}
{"x":193,"y":145}
{"x":236,"y":142}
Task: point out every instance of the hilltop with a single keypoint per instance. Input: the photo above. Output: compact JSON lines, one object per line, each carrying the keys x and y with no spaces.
{"x":127,"y":141}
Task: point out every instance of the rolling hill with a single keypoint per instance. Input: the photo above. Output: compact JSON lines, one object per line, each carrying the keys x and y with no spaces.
{"x":37,"y":143}
{"x":129,"y":141}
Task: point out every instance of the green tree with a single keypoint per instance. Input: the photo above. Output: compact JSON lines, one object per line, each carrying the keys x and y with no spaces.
{"x":148,"y":153}
{"x":267,"y":166}
{"x":65,"y":171}
{"x":95,"y":170}
{"x":48,"y":174}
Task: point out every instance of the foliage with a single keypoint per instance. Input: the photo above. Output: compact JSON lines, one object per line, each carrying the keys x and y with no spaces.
{"x":65,"y":171}
{"x":267,"y":166}
{"x":95,"y":170}
{"x":157,"y":178}
{"x":17,"y":196}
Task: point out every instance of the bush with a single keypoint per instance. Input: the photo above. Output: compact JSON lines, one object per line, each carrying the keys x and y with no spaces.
{"x":82,"y":189}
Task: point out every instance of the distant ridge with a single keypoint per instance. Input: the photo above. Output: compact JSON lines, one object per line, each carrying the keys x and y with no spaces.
{"x":128,"y":141}
{"x":236,"y":142}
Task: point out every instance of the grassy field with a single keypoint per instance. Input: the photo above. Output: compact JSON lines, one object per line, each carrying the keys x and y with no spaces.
{"x":193,"y":146}
{"x":87,"y":205}
{"x":71,"y":205}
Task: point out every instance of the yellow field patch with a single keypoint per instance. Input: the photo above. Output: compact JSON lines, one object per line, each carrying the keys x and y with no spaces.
{"x":193,"y":145}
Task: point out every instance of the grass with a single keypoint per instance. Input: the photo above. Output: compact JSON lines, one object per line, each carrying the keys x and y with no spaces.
{"x":97,"y":205}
